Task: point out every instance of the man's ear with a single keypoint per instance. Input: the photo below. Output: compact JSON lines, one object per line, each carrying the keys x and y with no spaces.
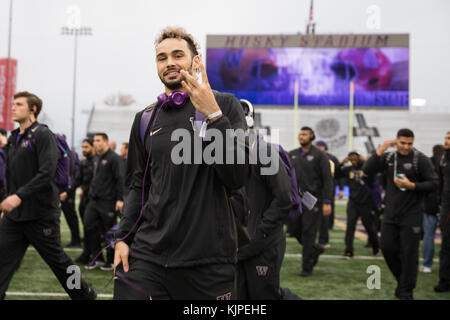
{"x":197,"y":63}
{"x":33,"y":110}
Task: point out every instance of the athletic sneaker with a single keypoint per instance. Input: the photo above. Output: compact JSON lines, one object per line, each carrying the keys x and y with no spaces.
{"x":348,"y":254}
{"x":92,"y":295}
{"x":306,"y":273}
{"x":107,"y":267}
{"x":442,"y":287}
{"x":425,"y":269}
{"x":326,"y":245}
{"x":318,"y":250}
{"x":375,"y":251}
{"x":74,"y":243}
{"x":404,"y":295}
{"x":83,"y":259}
{"x":95,"y":265}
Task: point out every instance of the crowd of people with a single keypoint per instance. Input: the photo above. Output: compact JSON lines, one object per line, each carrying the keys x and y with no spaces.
{"x":210,"y":230}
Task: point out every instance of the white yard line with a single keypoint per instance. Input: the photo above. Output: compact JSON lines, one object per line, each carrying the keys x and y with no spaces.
{"x":330,"y":256}
{"x":31,"y":248}
{"x":50,"y":294}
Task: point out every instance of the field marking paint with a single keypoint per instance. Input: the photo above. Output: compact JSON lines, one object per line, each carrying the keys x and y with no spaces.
{"x":31,"y":248}
{"x":333,"y":256}
{"x":50,"y":294}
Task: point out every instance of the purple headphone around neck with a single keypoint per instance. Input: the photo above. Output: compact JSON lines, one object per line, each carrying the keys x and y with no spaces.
{"x":175,"y":99}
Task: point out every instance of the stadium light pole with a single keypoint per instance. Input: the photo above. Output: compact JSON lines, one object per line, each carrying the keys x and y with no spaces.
{"x":75,"y":32}
{"x":8,"y":67}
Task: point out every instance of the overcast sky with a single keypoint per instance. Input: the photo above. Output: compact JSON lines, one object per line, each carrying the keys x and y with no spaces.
{"x":120,"y":54}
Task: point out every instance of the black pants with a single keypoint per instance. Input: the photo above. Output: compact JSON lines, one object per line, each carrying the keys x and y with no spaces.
{"x":354,"y":211}
{"x":44,"y":235}
{"x":145,"y":279}
{"x":304,"y":229}
{"x":68,"y":208}
{"x":258,"y":278}
{"x":84,"y":200}
{"x":100,"y":216}
{"x":326,"y":223}
{"x":323,"y":227}
{"x":444,"y":254}
{"x":331,"y":217}
{"x":400,"y":247}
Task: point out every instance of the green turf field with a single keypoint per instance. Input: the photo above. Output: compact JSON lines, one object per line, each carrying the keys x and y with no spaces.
{"x":334,"y":278}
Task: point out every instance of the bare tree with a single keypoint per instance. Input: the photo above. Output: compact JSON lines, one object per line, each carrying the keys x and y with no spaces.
{"x":126,"y":99}
{"x":110,"y":100}
{"x":119,"y":99}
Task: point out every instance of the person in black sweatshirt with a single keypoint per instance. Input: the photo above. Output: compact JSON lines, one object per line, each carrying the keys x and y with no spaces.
{"x":269,"y":201}
{"x":444,"y":219}
{"x":409,"y":176}
{"x":105,"y":200}
{"x":313,"y":172}
{"x":327,"y":222}
{"x":83,"y":180}
{"x":30,"y":213}
{"x":430,"y":216}
{"x":360,"y":202}
{"x":184,"y":247}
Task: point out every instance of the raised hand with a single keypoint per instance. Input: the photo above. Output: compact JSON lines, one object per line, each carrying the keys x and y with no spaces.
{"x":200,"y":94}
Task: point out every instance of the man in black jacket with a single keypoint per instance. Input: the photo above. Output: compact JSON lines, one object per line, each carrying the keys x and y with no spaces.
{"x":30,"y":213}
{"x":268,"y":202}
{"x":430,"y":215}
{"x":105,"y":200}
{"x":83,"y":180}
{"x":327,"y":222}
{"x":313,"y":172}
{"x":360,"y":203}
{"x":409,"y":176}
{"x":185,"y":243}
{"x":444,"y":221}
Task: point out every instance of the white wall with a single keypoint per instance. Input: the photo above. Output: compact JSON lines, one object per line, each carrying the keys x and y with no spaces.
{"x":429,"y":128}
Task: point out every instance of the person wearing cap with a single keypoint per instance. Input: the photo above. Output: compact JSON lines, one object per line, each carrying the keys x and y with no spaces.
{"x":360,"y":202}
{"x":327,"y":222}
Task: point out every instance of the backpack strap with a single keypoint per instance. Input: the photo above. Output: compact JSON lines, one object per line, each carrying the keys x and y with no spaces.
{"x":3,"y":167}
{"x":416,"y":161}
{"x":32,"y":137}
{"x":145,"y":121}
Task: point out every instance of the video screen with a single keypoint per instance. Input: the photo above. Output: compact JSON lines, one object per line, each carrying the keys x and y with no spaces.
{"x":268,"y":76}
